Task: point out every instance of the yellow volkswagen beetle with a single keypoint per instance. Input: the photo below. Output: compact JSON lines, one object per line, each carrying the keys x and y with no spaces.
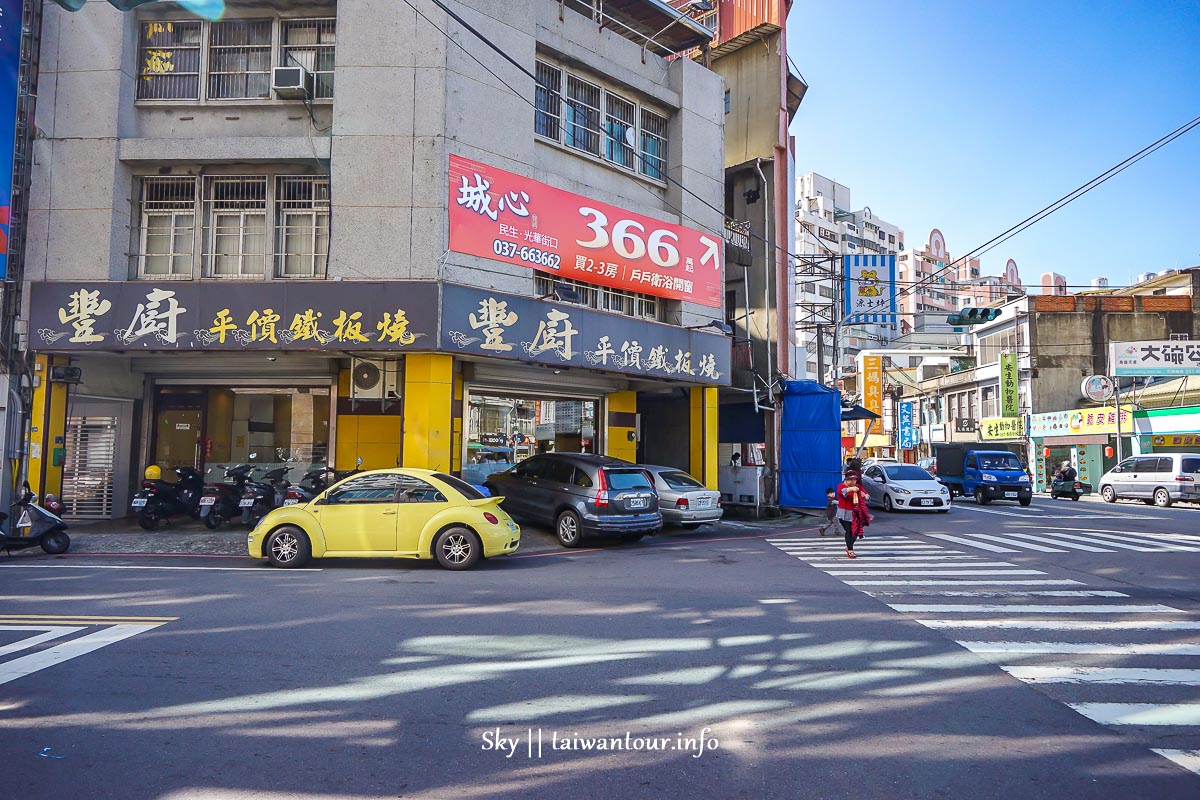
{"x":389,"y":513}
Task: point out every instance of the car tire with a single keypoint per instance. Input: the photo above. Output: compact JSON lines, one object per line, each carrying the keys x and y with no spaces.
{"x":1109,"y":494}
{"x":1076,"y":496}
{"x":457,"y":548}
{"x":1162,"y":498}
{"x":1025,"y":501}
{"x":980,"y":498}
{"x":288,"y":547}
{"x":56,"y":542}
{"x":689,"y":526}
{"x":888,"y":506}
{"x":148,"y":518}
{"x":566,"y":528}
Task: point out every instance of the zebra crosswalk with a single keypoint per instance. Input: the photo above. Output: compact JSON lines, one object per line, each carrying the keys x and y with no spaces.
{"x":1065,"y":540}
{"x":1121,"y":661}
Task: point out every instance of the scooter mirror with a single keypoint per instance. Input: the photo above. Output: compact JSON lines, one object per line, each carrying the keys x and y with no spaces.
{"x":359,"y":462}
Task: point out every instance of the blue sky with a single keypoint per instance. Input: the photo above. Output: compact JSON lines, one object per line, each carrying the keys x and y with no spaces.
{"x":969,"y":116}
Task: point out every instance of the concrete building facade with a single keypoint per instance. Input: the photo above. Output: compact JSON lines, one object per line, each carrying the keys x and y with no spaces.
{"x":382,"y":262}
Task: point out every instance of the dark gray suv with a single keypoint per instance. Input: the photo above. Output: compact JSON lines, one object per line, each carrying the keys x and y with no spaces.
{"x":580,"y":495}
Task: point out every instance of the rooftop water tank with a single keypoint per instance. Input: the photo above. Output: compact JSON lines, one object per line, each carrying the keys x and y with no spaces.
{"x":1099,"y":283}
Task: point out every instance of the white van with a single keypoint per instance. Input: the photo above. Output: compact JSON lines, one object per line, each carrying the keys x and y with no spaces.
{"x":1160,"y":479}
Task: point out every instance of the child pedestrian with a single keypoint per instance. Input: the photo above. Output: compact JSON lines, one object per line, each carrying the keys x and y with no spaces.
{"x":831,"y":507}
{"x":850,"y":500}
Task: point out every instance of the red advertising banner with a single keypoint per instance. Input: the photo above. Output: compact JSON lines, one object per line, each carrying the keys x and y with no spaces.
{"x":499,"y":215}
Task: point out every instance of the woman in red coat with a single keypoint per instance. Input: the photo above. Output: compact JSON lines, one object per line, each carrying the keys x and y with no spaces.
{"x":851,"y":505}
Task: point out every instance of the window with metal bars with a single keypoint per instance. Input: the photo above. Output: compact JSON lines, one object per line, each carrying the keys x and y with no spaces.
{"x":582,"y":115}
{"x":301,"y":226}
{"x":619,"y":126}
{"x":310,"y":44}
{"x":169,"y":60}
{"x":235,"y":226}
{"x":239,"y":59}
{"x":165,"y":237}
{"x":617,"y":301}
{"x":654,"y":145}
{"x":547,"y":101}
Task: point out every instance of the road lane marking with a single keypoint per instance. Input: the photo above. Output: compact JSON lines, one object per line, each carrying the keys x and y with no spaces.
{"x":98,"y":619}
{"x":972,"y":543}
{"x":871,"y":555}
{"x":975,"y":537}
{"x":1039,"y":537}
{"x":1029,"y":582}
{"x":931,"y":572}
{"x":1188,"y":759}
{"x":1033,"y":609}
{"x":1063,"y":624}
{"x":1121,"y":540}
{"x":1140,"y":713}
{"x":20,"y":667}
{"x":996,"y":593}
{"x":49,"y":632}
{"x":1084,"y":648}
{"x":1106,"y":675}
{"x":935,"y":565}
{"x":1117,"y":543}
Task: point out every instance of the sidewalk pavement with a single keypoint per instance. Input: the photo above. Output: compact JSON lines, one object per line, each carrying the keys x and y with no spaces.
{"x":188,"y":537}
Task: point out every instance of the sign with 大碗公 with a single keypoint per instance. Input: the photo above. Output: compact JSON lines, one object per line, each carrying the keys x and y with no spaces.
{"x":1154,"y":358}
{"x":186,"y":315}
{"x":870,"y":288}
{"x":482,"y":322}
{"x":507,"y":217}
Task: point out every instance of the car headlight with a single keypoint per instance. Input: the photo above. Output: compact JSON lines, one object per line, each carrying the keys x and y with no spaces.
{"x":944,"y":490}
{"x":1023,"y":479}
{"x":901,"y":490}
{"x":989,"y":478}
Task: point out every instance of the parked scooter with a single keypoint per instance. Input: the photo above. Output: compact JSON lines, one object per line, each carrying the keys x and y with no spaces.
{"x":34,"y":527}
{"x":263,"y":495}
{"x":161,"y":499}
{"x":219,"y":501}
{"x":314,"y":482}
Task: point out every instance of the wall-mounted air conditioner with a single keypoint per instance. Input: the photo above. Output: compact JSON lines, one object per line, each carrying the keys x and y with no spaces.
{"x":374,"y":380}
{"x":292,"y":83}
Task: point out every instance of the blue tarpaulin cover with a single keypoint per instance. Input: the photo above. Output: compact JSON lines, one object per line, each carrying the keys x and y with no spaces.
{"x":810,"y":458}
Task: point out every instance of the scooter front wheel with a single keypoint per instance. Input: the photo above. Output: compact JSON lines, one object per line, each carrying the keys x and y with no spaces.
{"x":213,"y":520}
{"x":56,"y":542}
{"x":148,"y":518}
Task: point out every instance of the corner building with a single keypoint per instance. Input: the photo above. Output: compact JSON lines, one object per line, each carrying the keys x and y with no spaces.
{"x":409,"y":253}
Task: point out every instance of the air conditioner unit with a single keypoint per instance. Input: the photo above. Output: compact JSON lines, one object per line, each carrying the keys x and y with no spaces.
{"x":292,"y":83}
{"x":374,"y":380}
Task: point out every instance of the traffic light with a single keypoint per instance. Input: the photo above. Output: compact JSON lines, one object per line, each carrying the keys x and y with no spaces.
{"x":973,"y":316}
{"x":210,"y":9}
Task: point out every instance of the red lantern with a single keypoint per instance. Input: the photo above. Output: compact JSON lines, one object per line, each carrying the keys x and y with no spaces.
{"x":1046,"y":452}
{"x":1108,"y":452}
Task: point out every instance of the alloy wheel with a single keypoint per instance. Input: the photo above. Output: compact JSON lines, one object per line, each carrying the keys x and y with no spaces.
{"x":456,"y":548}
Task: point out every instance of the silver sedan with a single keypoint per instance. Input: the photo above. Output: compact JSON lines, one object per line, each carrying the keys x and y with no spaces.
{"x":683,"y":500}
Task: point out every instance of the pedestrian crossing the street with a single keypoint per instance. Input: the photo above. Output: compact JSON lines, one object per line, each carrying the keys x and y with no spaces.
{"x":1121,"y":661}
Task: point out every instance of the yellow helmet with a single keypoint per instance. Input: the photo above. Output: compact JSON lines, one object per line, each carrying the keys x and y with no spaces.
{"x":154,"y":473}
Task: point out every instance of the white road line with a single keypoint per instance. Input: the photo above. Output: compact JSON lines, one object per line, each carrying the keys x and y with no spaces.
{"x":1125,"y":542}
{"x":995,"y":593}
{"x":1140,"y":713}
{"x":248,"y":568}
{"x":931,"y":572}
{"x":1030,"y":609}
{"x":1084,"y":648}
{"x":888,"y":539}
{"x":50,"y":632}
{"x":20,"y":667}
{"x":871,"y":555}
{"x":1188,"y":759}
{"x":969,"y":507}
{"x":1031,"y":582}
{"x":1150,"y":536}
{"x":1063,"y":624}
{"x":973,"y":543}
{"x":975,"y":537}
{"x":1040,"y":537}
{"x":1161,"y":677}
{"x":845,"y":562}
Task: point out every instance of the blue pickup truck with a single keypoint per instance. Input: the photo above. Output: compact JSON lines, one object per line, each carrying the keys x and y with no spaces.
{"x":986,"y":475}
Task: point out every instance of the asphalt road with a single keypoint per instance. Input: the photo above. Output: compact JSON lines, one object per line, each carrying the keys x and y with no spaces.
{"x":736,"y":663}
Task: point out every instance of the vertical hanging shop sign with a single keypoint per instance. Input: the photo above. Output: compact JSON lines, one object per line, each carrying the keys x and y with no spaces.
{"x":873,"y":384}
{"x":907,"y":434}
{"x":1009,"y":396}
{"x":10,"y":60}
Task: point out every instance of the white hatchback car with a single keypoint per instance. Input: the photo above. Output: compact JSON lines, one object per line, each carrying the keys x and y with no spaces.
{"x":899,"y":487}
